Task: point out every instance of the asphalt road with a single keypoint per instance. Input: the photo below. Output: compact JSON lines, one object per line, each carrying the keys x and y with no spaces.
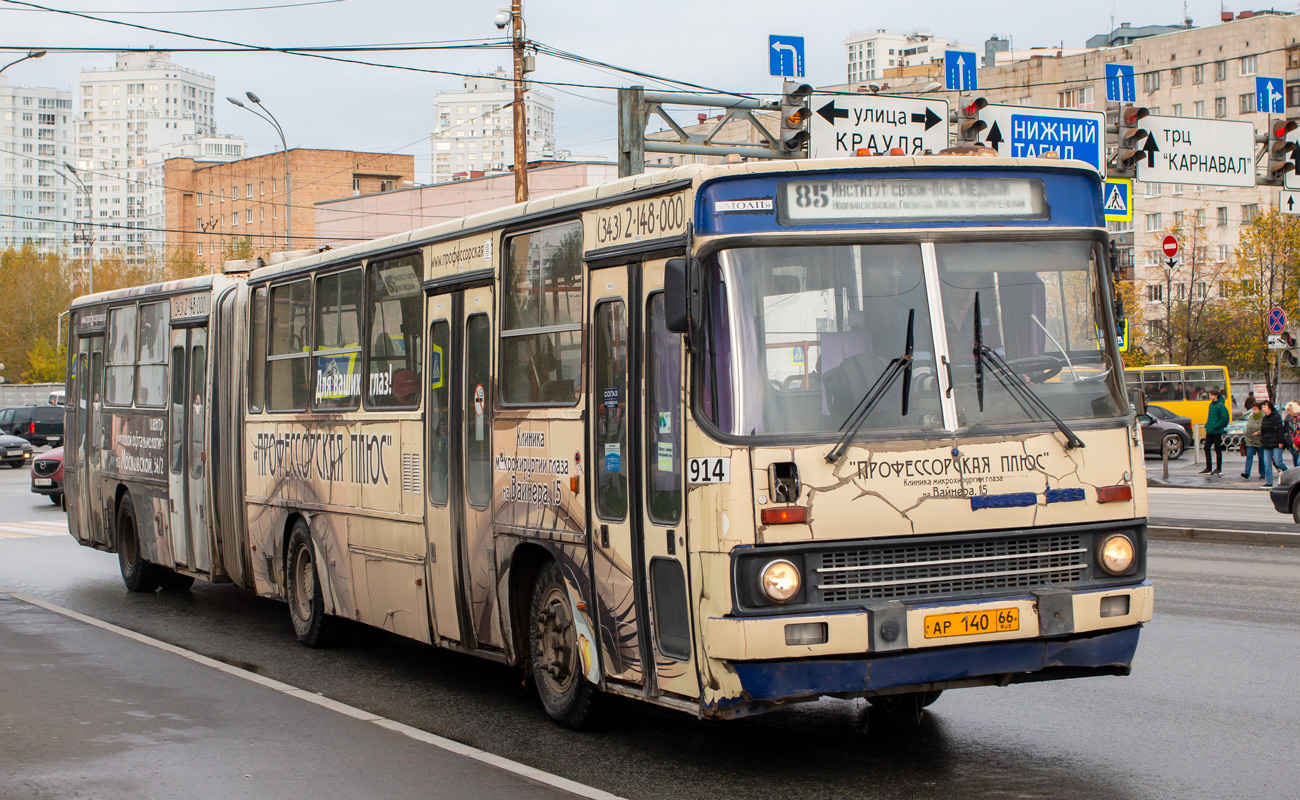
{"x":1209,"y":712}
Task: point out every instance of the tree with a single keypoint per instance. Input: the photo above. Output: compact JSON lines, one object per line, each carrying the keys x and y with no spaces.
{"x":1266,"y":272}
{"x":1189,"y":314}
{"x":35,"y":288}
{"x":237,"y":249}
{"x":45,"y":364}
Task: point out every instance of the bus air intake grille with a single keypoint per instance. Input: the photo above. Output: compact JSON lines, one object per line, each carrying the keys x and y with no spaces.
{"x":411,"y":473}
{"x":950,"y":568}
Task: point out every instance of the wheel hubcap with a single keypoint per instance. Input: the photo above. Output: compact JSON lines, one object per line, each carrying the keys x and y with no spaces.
{"x":304,"y":587}
{"x":557,"y":645}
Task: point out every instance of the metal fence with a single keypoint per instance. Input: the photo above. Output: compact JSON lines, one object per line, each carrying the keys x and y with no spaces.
{"x":27,"y":394}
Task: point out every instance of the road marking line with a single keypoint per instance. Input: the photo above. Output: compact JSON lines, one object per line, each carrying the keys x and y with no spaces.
{"x":4,"y":535}
{"x":31,"y":530}
{"x":451,"y":746}
{"x":49,"y":526}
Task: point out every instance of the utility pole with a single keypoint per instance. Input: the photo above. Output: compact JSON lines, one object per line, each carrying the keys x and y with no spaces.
{"x":520,"y":113}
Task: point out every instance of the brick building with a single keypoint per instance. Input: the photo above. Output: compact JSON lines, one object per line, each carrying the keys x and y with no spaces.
{"x":209,"y":207}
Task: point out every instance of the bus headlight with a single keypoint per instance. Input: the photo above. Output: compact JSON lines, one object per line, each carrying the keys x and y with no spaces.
{"x":779,"y":581}
{"x":1116,"y":554}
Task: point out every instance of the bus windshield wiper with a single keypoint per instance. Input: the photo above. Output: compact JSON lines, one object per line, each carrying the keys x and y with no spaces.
{"x":902,"y":365}
{"x":1016,"y":386}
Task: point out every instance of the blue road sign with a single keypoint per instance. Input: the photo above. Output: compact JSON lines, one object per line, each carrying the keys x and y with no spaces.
{"x":1268,"y":96}
{"x":959,"y":71}
{"x":1117,"y":199}
{"x":1276,"y":320}
{"x":1120,"y":86}
{"x":785,"y":56}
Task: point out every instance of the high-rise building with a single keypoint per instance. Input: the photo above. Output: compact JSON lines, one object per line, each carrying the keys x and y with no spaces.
{"x":475,"y":130}
{"x":144,"y":102}
{"x":36,"y":202}
{"x":872,"y":53}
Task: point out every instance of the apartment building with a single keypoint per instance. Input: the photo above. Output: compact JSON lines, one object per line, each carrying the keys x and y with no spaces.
{"x":475,"y":130}
{"x":37,"y":204}
{"x":872,"y":53}
{"x":210,"y":208}
{"x":143,"y":102}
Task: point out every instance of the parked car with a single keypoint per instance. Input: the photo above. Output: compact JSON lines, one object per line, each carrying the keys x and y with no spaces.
{"x":47,"y":475}
{"x":40,"y":425}
{"x":1165,"y":415}
{"x":1160,"y":437}
{"x":14,"y":452}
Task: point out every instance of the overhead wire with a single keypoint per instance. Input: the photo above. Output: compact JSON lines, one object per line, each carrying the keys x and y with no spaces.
{"x":208,"y":10}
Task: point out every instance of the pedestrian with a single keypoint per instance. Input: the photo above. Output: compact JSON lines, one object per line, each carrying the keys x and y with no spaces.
{"x":1254,"y":420}
{"x":1270,"y":441}
{"x":1216,"y":422}
{"x":1291,"y":439}
{"x":1250,"y":402}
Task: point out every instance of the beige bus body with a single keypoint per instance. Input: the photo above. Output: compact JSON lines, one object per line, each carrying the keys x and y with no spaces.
{"x":509,"y":420}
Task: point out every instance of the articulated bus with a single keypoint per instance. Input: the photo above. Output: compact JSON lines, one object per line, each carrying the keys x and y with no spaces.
{"x":720,"y":438}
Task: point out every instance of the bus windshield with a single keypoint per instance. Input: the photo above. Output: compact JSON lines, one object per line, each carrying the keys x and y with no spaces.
{"x":798,"y":336}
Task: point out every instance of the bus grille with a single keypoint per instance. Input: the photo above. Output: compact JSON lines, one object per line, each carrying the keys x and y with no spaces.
{"x":950,"y":568}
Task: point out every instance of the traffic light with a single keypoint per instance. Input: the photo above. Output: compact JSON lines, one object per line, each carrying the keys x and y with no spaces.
{"x":969,"y":123}
{"x":1291,"y":355}
{"x":1131,"y":138}
{"x":794,"y":116}
{"x":1281,"y":152}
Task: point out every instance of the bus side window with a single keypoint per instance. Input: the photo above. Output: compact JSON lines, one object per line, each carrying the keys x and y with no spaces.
{"x":395,"y":314}
{"x":541,"y":322}
{"x":287,"y":380}
{"x":438,"y":411}
{"x":176,"y":420}
{"x":198,"y":391}
{"x":335,"y":373}
{"x":151,"y":372}
{"x":257,"y":351}
{"x":663,"y":418}
{"x":478,"y":410}
{"x":610,"y":416}
{"x":121,"y":356}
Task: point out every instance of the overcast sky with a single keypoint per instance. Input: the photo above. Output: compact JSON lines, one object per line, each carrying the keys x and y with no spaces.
{"x":343,"y":106}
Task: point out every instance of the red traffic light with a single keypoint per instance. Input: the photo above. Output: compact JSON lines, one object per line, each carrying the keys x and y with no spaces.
{"x":1283,"y":127}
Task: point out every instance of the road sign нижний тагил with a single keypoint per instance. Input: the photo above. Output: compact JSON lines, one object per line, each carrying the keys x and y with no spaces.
{"x":959,"y":71}
{"x":1209,"y":152}
{"x":1269,"y":96}
{"x":1120,"y":85}
{"x":1117,"y":199}
{"x":843,"y":125}
{"x":1024,"y":132}
{"x":785,"y":56}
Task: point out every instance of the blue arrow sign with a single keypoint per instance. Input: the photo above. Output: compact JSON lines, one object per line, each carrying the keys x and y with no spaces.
{"x":785,"y":56}
{"x":959,"y":71}
{"x":1276,"y":320}
{"x":1120,"y":86}
{"x":1268,"y":96}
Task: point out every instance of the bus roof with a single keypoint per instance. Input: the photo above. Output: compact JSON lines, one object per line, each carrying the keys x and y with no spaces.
{"x":695,"y":174}
{"x":179,"y":285}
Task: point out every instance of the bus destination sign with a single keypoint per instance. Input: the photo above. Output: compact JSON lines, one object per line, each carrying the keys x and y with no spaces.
{"x":910,"y":200}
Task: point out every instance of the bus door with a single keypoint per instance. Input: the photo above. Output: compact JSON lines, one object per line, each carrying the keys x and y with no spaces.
{"x":77,"y":444}
{"x":476,"y":542}
{"x":187,"y":449}
{"x":443,"y":420}
{"x":97,"y":517}
{"x":665,"y":543}
{"x":613,"y":469}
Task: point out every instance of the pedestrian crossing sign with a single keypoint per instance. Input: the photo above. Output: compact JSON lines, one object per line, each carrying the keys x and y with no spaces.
{"x":1117,"y":199}
{"x":1121,"y":335}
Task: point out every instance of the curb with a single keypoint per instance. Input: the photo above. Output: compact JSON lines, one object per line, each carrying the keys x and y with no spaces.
{"x":1178,"y":533}
{"x":1161,"y":483}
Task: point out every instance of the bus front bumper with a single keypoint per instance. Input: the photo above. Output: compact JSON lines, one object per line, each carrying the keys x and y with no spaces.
{"x":884,"y":649}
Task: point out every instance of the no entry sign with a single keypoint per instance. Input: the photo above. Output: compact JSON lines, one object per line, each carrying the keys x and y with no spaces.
{"x":1170,"y":246}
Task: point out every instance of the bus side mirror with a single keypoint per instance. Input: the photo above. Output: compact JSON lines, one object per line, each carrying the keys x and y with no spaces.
{"x":682,"y":295}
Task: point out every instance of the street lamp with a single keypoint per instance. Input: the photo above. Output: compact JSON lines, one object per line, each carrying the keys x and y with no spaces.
{"x":87,"y":234}
{"x":262,"y":113}
{"x":30,"y":54}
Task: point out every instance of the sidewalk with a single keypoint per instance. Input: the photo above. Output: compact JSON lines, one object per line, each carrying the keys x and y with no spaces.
{"x":1186,"y":474}
{"x":89,"y":710}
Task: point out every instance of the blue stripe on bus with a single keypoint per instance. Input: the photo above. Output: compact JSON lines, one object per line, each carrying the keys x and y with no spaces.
{"x":1007,"y":500}
{"x":1064,"y":495}
{"x":778,"y":680}
{"x":1073,"y":198}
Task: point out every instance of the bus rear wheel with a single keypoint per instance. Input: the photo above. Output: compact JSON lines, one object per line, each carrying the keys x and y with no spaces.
{"x":313,"y":626}
{"x":556,"y":662}
{"x":138,"y":575}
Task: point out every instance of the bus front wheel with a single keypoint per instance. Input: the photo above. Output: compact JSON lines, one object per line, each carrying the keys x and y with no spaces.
{"x":556,"y":663}
{"x":313,"y":626}
{"x":138,"y":575}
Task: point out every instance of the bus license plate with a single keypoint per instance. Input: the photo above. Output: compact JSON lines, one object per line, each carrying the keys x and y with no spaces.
{"x":42,"y":481}
{"x":972,"y":623}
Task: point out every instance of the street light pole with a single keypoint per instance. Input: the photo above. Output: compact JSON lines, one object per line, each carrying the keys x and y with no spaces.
{"x":30,"y":54}
{"x":87,"y":233}
{"x":520,"y":113}
{"x":288,"y":189}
